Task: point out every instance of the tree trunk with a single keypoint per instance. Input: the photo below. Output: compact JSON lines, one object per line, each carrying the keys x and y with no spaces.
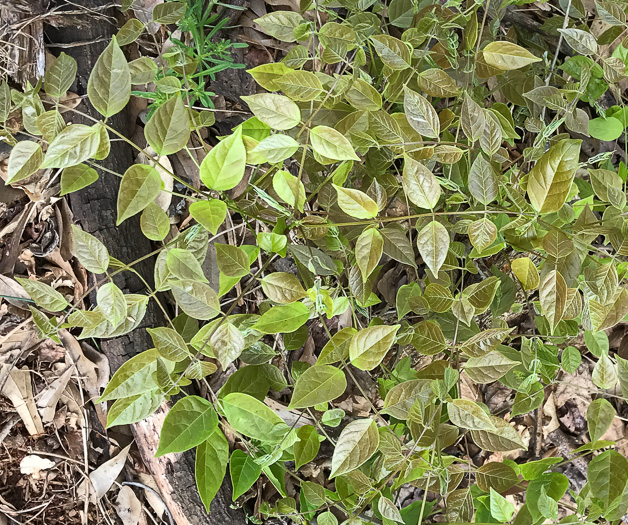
{"x":94,"y":209}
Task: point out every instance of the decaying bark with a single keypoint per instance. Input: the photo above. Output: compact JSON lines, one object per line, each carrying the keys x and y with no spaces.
{"x":94,"y":209}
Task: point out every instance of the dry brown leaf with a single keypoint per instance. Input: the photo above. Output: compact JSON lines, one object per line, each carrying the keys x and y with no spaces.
{"x":128,"y":507}
{"x":103,"y":477}
{"x":19,"y":390}
{"x":47,"y":399}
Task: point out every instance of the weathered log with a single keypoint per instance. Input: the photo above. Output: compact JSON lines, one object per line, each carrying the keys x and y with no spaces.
{"x":94,"y":209}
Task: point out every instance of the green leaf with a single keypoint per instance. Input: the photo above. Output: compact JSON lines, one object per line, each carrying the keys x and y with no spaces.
{"x":356,"y":203}
{"x":129,"y":32}
{"x":358,"y":441}
{"x":438,"y":297}
{"x":482,"y":233}
{"x":209,"y":214}
{"x":605,"y":128}
{"x":76,"y":178}
{"x":525,"y":270}
{"x":168,"y":130}
{"x":419,"y":184}
{"x":283,"y":319}
{"x":244,"y":472}
{"x":368,"y":251}
{"x":393,"y":52}
{"x":253,"y":418}
{"x":501,"y":509}
{"x":361,"y":95}
{"x":142,"y":70}
{"x":467,"y":414}
{"x":331,"y":144}
{"x":111,"y":301}
{"x":497,"y":476}
{"x":183,"y":265}
{"x":554,"y":485}
{"x":169,"y":12}
{"x":134,"y":377}
{"x":570,"y":359}
{"x":503,"y":439}
{"x":90,"y":252}
{"x":402,"y":397}
{"x":44,"y":295}
{"x":196,"y":299}
{"x":211,"y":466}
{"x":109,"y":84}
{"x":226,"y":344}
{"x":232,"y":260}
{"x":277,"y":111}
{"x":318,"y":384}
{"x":327,"y":517}
{"x":276,"y":148}
{"x":139,"y":187}
{"x":154,"y":222}
{"x":51,"y":123}
{"x":369,"y":346}
{"x":421,"y":115}
{"x":550,"y":179}
{"x":223,"y":167}
{"x":433,"y":244}
{"x":267,"y":75}
{"x":604,"y":373}
{"x":281,"y":24}
{"x":75,"y":144}
{"x":306,"y":449}
{"x":607,"y":479}
{"x":132,"y":409}
{"x":337,"y":348}
{"x":169,"y":343}
{"x":529,"y":400}
{"x":189,"y":422}
{"x":600,"y":415}
{"x":283,"y":287}
{"x":289,"y":189}
{"x":507,"y":56}
{"x":428,"y":338}
{"x":60,"y":76}
{"x":489,"y":367}
{"x":302,"y":86}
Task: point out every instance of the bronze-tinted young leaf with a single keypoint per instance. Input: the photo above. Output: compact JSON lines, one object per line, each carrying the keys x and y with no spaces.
{"x":420,"y":113}
{"x":472,"y":118}
{"x":436,"y":83}
{"x":428,"y":338}
{"x":438,"y":297}
{"x":482,"y":343}
{"x":368,"y":251}
{"x":489,"y":367}
{"x":507,"y":56}
{"x":419,"y":184}
{"x":553,"y":297}
{"x":283,"y":287}
{"x":467,"y":414}
{"x":496,"y":475}
{"x":550,"y":180}
{"x":482,"y":234}
{"x":392,"y":51}
{"x":483,"y":180}
{"x":357,"y":443}
{"x":433,"y":244}
{"x":503,"y":439}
